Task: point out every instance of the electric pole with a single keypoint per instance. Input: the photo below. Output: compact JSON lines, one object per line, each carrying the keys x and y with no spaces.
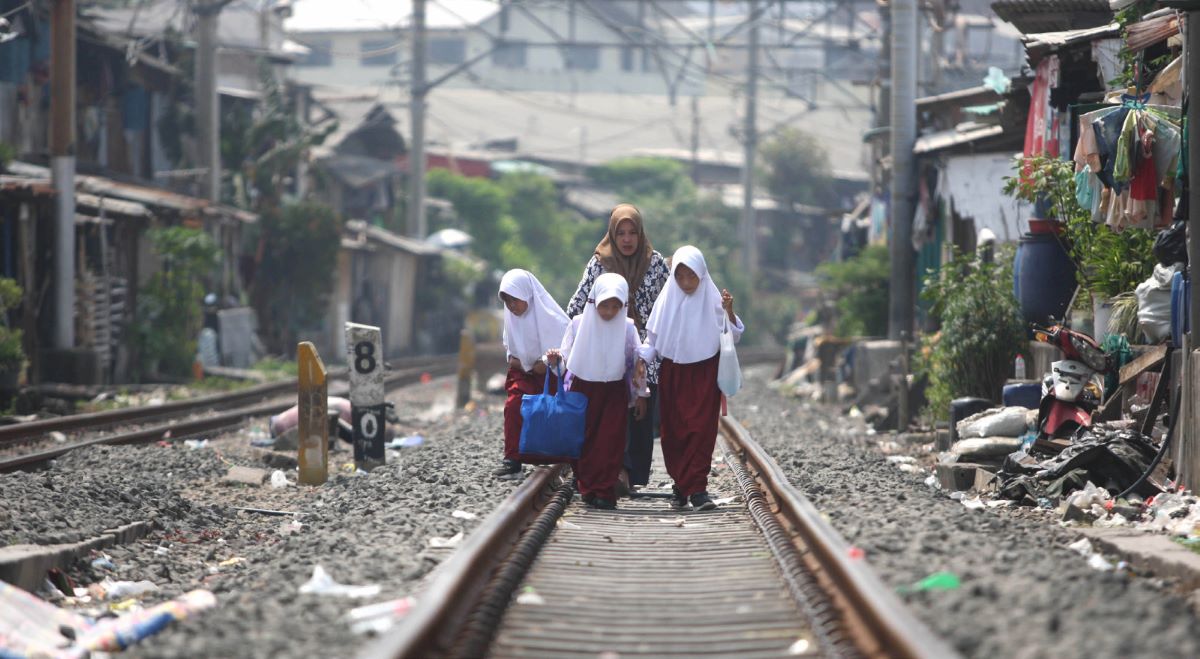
{"x":208,"y":103}
{"x":416,"y":153}
{"x":904,"y":134}
{"x":62,"y":165}
{"x":749,"y":221}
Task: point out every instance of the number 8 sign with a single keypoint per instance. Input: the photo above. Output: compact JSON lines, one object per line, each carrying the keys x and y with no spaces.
{"x":364,"y":351}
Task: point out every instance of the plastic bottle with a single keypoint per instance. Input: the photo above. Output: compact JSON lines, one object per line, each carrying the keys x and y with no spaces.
{"x":1019,"y":368}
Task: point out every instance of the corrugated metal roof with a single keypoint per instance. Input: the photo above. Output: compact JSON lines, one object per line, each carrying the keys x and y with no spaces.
{"x":946,"y":139}
{"x":1051,"y":15}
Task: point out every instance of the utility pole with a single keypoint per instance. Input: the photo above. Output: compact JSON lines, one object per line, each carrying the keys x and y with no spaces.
{"x":1188,"y":455}
{"x":208,"y":103}
{"x":750,"y":143}
{"x":416,"y":151}
{"x":695,"y":139}
{"x":903,"y":136}
{"x":62,"y":165}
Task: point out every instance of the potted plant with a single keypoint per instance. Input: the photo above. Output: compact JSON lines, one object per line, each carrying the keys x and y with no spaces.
{"x":1107,"y":263}
{"x":12,"y":355}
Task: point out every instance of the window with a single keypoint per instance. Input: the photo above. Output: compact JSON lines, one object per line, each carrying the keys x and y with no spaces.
{"x":378,"y":52}
{"x":509,"y":55}
{"x":583,"y":58}
{"x":627,"y":55}
{"x":447,"y":51}
{"x":319,"y":53}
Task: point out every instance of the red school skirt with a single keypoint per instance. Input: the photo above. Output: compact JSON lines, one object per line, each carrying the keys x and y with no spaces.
{"x":689,"y":403}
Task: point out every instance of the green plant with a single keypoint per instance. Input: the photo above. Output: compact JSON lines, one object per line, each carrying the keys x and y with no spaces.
{"x":859,"y":288}
{"x":169,"y":313}
{"x":1107,"y":263}
{"x":981,"y":332}
{"x":300,"y":243}
{"x":12,"y":355}
{"x":8,"y":153}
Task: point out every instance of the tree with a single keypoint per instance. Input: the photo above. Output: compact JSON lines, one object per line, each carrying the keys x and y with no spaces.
{"x":169,"y":313}
{"x":796,"y":171}
{"x":291,"y":287}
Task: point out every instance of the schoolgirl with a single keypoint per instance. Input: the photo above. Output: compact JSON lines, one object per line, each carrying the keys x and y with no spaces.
{"x":600,"y":350}
{"x":685,"y":331}
{"x":533,"y":324}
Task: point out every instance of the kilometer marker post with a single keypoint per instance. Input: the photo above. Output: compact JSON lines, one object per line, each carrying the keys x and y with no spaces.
{"x":364,"y":352}
{"x":314,"y":425}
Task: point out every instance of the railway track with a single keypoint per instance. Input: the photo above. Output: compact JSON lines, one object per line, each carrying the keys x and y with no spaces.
{"x":181,"y":419}
{"x":764,"y":576}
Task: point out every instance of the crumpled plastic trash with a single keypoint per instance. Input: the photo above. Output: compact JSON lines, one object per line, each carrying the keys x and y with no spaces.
{"x":462,"y":514}
{"x":380,"y":617}
{"x":115,"y":590}
{"x":411,"y":441}
{"x":36,"y":628}
{"x":935,"y":582}
{"x":973,"y":503}
{"x":1084,"y":548}
{"x":279,"y":479}
{"x":195,"y":443}
{"x":323,"y":584}
{"x":530,"y":596}
{"x":103,"y":563}
{"x":445,"y":543}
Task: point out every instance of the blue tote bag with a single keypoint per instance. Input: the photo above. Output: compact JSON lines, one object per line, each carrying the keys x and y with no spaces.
{"x":552,"y":424}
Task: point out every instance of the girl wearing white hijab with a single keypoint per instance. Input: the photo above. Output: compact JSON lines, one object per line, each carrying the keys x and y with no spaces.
{"x":600,"y":347}
{"x":533,"y":324}
{"x":685,"y":330}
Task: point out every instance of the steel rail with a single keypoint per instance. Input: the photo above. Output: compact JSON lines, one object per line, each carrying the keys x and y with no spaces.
{"x":189,"y":427}
{"x":445,"y":603}
{"x":34,"y":430}
{"x":881,"y":623}
{"x":849,"y":610}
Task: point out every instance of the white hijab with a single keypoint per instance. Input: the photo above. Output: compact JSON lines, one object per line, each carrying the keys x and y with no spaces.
{"x":598,"y":353}
{"x":687,"y":328}
{"x":528,"y":336}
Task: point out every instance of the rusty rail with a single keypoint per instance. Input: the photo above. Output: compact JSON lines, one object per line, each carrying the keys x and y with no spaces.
{"x":760,"y":584}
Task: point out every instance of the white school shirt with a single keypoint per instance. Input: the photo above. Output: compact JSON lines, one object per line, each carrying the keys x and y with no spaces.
{"x":636,"y":389}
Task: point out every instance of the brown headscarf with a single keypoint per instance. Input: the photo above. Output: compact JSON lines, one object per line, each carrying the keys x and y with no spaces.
{"x":632,"y":268}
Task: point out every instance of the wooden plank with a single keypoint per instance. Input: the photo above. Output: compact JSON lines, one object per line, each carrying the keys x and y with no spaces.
{"x":314,"y":428}
{"x":1147,"y":360}
{"x":1161,"y":393}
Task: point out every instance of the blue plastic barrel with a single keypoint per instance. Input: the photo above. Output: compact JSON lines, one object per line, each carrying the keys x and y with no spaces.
{"x":1046,"y":278}
{"x":1180,"y":307}
{"x":1025,"y":394}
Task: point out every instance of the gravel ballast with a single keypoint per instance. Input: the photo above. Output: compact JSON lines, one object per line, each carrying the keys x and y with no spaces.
{"x":1023,"y":593}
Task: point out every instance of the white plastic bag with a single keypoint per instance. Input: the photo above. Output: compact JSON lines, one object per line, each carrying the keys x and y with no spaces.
{"x":729,"y":373}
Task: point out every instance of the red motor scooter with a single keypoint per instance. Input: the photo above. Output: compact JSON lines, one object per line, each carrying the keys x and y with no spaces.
{"x":1074,"y":387}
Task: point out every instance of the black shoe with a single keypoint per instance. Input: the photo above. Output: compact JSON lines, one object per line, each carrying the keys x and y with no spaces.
{"x":678,"y":500}
{"x":701,"y":501}
{"x":601,"y":504}
{"x":508,"y":470}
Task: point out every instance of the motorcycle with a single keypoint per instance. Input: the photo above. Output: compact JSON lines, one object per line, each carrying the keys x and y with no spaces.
{"x":1074,"y":388}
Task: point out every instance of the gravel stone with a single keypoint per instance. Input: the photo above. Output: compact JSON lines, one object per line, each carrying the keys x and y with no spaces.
{"x":1023,"y":594}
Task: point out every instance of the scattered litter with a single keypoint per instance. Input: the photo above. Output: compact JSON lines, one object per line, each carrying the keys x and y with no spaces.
{"x":266,"y":442}
{"x":1111,"y":522}
{"x":725,"y":501}
{"x":564,"y":524}
{"x":799,"y":647}
{"x":290,"y":527}
{"x":323,"y":584}
{"x":462,"y":514}
{"x":411,"y":441}
{"x":678,"y":521}
{"x":279,"y":479}
{"x":996,"y":422}
{"x":1001,"y":503}
{"x":446,"y":543}
{"x":855,"y":413}
{"x":855,"y":553}
{"x":530,"y":596}
{"x":230,"y":562}
{"x":973,"y":503}
{"x":1098,"y":562}
{"x":115,"y":590}
{"x":58,"y":436}
{"x":378,"y":618}
{"x":1082,"y":546}
{"x":937,"y":581}
{"x":901,"y":459}
{"x":932,"y":481}
{"x":161,"y":551}
{"x":103,"y":563}
{"x":195,"y":443}
{"x":267,"y":511}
